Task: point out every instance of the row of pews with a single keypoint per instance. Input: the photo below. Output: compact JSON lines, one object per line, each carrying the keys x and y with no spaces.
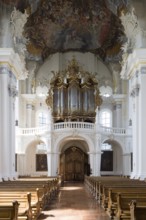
{"x":25,"y":198}
{"x":122,"y":198}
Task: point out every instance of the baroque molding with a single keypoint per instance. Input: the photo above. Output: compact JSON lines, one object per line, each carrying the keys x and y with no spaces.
{"x":135,"y":62}
{"x":14,"y":62}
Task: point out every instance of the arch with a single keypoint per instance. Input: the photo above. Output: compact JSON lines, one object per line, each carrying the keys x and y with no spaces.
{"x":58,"y":144}
{"x":28,"y":161}
{"x":115,"y":157}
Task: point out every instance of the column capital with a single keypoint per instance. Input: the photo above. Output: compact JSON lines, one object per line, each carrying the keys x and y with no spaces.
{"x":135,"y":62}
{"x":11,"y":60}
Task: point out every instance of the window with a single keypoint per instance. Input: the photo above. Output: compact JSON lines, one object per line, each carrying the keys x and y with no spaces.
{"x":42,"y":119}
{"x":106,"y":146}
{"x":105,"y":118}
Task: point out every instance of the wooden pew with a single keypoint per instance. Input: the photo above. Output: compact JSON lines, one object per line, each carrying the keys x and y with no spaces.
{"x":9,"y":212}
{"x":123,"y":204}
{"x":132,"y":192}
{"x":100,"y":186}
{"x":36,"y":197}
{"x":25,"y":209}
{"x":39,"y":197}
{"x":96,"y":185}
{"x":137,"y":211}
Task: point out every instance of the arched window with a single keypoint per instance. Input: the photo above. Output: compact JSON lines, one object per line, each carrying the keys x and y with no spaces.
{"x":42,"y":119}
{"x":106,"y":118}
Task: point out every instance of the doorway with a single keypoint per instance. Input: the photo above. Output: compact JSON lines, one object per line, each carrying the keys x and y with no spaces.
{"x":74,"y":164}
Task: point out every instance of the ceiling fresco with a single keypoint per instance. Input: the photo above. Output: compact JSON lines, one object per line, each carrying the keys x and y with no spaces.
{"x":64,"y":25}
{"x":69,"y":25}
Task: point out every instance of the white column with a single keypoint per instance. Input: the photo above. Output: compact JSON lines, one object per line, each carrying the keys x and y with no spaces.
{"x":134,"y":70}
{"x":49,"y":154}
{"x":55,"y":165}
{"x":126,"y":164}
{"x":29,"y":108}
{"x":135,"y":128}
{"x":97,"y":163}
{"x":49,"y":163}
{"x":142,"y":125}
{"x":91,"y":159}
{"x":1,"y":128}
{"x":97,"y":154}
{"x":5,"y":122}
{"x":33,"y":124}
{"x":118,"y":115}
{"x":11,"y":67}
{"x":12,"y":94}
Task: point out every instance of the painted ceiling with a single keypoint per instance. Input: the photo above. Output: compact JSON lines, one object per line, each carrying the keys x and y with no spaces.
{"x":70,"y":25}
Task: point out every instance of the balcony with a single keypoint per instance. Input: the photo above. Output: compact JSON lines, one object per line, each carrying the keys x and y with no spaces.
{"x":58,"y":127}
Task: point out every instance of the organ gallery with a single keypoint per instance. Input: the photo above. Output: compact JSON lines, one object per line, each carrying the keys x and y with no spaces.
{"x":73,"y":94}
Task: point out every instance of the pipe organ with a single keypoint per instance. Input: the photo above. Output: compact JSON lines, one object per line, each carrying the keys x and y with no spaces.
{"x":73,"y":94}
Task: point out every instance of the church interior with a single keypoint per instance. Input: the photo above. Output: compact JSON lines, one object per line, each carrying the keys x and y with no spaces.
{"x":72,"y":88}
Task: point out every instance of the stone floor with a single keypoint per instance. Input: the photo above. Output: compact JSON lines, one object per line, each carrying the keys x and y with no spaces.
{"x":74,"y":203}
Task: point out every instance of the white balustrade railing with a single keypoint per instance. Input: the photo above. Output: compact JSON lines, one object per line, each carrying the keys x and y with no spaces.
{"x":111,"y":130}
{"x":71,"y":125}
{"x":32,"y":131}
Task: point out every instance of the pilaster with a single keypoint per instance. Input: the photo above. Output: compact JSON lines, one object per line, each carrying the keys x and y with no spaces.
{"x":10,"y":70}
{"x":142,"y":124}
{"x":135,"y":72}
{"x":126,"y":164}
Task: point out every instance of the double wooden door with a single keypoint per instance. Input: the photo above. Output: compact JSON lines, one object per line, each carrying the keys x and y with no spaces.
{"x":73,"y":164}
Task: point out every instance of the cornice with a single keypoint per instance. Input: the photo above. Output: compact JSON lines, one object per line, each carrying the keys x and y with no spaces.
{"x":135,"y":61}
{"x":11,"y":59}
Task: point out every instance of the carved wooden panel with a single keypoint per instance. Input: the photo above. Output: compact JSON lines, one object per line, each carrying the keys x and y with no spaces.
{"x":73,"y":164}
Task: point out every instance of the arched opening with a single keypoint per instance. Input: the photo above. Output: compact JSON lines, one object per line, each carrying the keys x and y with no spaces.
{"x":74,"y":164}
{"x":35,"y":161}
{"x":111,"y":158}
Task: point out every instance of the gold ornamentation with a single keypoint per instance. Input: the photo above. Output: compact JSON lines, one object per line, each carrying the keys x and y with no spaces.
{"x":69,"y":87}
{"x":73,"y":68}
{"x":49,"y":99}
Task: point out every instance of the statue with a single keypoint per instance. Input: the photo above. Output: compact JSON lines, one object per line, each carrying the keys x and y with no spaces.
{"x":18,"y":21}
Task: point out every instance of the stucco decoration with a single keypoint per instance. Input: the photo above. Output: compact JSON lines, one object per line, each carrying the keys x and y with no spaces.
{"x":60,"y":26}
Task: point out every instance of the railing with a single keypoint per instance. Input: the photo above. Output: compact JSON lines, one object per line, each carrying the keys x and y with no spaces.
{"x":111,"y":130}
{"x":72,"y":125}
{"x":32,"y":131}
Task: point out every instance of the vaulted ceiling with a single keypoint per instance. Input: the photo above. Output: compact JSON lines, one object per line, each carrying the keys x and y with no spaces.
{"x":70,"y":25}
{"x":86,"y":26}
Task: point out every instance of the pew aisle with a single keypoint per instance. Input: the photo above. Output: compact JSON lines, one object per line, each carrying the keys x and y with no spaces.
{"x":26,"y":198}
{"x":74,"y":202}
{"x":122,"y":198}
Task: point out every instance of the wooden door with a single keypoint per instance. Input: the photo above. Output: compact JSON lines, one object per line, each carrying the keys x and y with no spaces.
{"x":72,"y":165}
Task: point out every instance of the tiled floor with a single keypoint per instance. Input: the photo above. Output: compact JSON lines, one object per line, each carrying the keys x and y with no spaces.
{"x":74,"y":203}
